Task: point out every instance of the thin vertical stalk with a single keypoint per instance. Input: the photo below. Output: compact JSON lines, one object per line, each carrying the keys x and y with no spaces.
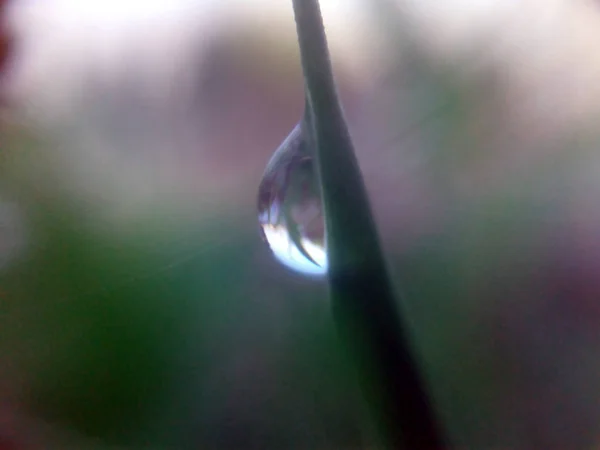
{"x":362,"y":295}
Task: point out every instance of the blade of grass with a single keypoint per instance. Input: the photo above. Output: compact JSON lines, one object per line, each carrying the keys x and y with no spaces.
{"x":362,"y":295}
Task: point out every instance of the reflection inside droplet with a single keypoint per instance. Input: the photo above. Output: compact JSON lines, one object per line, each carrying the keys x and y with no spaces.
{"x":289,"y":208}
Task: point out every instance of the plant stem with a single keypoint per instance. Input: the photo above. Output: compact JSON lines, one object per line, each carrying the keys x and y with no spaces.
{"x":362,"y":295}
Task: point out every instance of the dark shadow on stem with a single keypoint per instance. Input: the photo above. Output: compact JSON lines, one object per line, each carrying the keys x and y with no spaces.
{"x":363,"y":301}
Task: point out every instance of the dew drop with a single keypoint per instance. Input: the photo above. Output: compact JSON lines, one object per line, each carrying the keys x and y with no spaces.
{"x":290,"y":213}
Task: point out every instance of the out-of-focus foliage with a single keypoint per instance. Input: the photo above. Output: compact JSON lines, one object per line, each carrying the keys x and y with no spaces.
{"x":4,"y":38}
{"x":169,"y":337}
{"x":5,"y":47}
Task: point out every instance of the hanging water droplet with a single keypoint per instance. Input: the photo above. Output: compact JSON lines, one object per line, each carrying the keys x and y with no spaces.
{"x":289,"y":207}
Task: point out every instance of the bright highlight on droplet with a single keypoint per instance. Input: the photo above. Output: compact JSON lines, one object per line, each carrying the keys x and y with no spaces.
{"x":288,"y":253}
{"x":289,"y":208}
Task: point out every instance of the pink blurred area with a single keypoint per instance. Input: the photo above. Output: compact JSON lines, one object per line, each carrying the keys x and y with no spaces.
{"x":5,"y":46}
{"x":186,"y":102}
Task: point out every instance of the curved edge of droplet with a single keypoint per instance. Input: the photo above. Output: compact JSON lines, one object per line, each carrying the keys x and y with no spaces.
{"x":273,"y":229}
{"x":291,"y":257}
{"x":286,"y":151}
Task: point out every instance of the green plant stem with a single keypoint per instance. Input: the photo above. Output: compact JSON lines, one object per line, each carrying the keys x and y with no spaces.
{"x":362,"y":295}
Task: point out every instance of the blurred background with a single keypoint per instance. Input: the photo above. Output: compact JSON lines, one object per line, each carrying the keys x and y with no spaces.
{"x":139,"y":307}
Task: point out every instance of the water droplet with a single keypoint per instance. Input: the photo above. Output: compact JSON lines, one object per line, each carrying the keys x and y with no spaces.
{"x":289,"y":207}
